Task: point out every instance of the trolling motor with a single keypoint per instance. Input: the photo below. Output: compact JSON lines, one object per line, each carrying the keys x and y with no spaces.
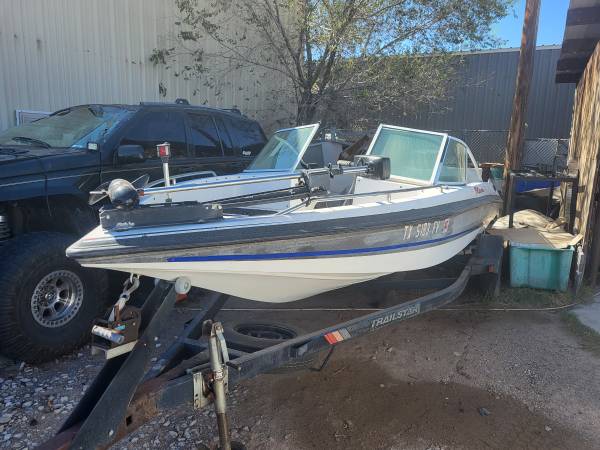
{"x":369,"y":166}
{"x":379,"y":167}
{"x":125,"y":212}
{"x":122,"y":194}
{"x":125,"y":195}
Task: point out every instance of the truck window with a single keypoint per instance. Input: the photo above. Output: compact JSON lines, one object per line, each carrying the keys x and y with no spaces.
{"x":225,"y":137}
{"x":248,"y":136}
{"x":204,"y":139}
{"x":155,"y":128}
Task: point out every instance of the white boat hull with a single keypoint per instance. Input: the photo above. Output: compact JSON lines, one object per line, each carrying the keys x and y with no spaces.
{"x":285,"y":280}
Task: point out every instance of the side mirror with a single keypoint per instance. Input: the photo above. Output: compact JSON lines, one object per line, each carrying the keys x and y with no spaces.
{"x":128,"y":154}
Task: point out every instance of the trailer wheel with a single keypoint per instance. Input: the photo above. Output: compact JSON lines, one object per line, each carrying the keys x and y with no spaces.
{"x":47,"y":301}
{"x":253,"y":336}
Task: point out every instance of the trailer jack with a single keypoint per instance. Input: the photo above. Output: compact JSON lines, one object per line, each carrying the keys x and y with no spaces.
{"x":217,"y":351}
{"x":199,"y":367}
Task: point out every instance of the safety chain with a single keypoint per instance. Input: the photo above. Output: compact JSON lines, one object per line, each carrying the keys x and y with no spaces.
{"x":129,"y":286}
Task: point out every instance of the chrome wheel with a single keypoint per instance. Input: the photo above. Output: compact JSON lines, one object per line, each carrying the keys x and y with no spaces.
{"x":57,"y":298}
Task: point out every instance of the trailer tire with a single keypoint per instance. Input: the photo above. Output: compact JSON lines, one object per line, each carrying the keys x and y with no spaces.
{"x":253,"y":336}
{"x":35,"y":273}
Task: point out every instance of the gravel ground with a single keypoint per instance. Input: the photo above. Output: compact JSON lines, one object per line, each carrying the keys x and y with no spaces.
{"x":448,"y":379}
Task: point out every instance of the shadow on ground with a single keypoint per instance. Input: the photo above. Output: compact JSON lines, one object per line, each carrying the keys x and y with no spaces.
{"x":371,"y":409}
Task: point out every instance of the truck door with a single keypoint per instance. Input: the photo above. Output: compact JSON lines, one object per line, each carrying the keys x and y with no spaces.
{"x":247,"y":137}
{"x":135,"y":153}
{"x":206,"y":147}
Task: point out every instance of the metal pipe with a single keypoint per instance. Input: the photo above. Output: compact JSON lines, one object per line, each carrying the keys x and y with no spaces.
{"x":295,"y":176}
{"x":375,"y":193}
{"x":511,"y":198}
{"x":302,"y":204}
{"x":573,"y":205}
{"x":165,"y":166}
{"x":174,"y":178}
{"x":193,"y":187}
{"x":317,"y":199}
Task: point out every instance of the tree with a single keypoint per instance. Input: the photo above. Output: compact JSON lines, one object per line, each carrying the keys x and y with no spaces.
{"x":336,"y":54}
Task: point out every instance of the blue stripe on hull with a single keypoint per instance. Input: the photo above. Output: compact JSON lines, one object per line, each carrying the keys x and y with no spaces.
{"x":315,"y":254}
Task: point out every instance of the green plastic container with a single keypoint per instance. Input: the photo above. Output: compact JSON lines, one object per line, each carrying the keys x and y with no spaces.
{"x":497,"y":172}
{"x":540,"y":267}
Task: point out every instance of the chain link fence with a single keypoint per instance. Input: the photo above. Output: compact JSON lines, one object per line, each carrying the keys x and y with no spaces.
{"x":546,"y":154}
{"x":543,"y":154}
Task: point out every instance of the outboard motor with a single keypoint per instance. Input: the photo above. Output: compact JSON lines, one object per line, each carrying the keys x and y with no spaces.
{"x":122,"y":194}
{"x":379,"y":166}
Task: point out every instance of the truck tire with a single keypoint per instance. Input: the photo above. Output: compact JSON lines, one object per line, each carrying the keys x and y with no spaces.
{"x":47,"y":301}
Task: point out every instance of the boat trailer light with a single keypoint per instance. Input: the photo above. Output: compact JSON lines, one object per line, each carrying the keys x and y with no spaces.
{"x":164,"y":153}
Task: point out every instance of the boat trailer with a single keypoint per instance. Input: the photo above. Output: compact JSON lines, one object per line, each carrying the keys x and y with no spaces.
{"x":200,"y":367}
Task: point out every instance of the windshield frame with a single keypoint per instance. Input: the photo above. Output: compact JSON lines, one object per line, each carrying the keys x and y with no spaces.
{"x":301,"y":152}
{"x":436,"y":168}
{"x":470,"y":157}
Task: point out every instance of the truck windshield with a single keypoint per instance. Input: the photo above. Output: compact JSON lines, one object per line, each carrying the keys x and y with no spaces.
{"x":284,"y":150}
{"x":73,"y":127}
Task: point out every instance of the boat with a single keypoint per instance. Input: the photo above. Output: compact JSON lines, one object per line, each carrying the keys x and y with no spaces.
{"x":414,"y":200}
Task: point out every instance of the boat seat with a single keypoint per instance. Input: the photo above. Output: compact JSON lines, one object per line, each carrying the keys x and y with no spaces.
{"x":340,"y":185}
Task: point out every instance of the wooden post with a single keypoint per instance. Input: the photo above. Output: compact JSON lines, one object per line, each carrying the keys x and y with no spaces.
{"x":516,"y":133}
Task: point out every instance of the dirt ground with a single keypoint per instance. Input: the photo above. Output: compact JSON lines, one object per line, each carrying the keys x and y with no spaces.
{"x":445,"y":380}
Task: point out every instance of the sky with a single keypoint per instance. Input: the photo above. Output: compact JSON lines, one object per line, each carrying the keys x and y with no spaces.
{"x":551,"y":26}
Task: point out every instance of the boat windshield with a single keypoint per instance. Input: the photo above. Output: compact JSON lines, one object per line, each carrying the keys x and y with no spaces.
{"x":283,"y":152}
{"x":413,"y":154}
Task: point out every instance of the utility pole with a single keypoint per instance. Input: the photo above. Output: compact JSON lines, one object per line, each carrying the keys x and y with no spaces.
{"x":516,"y":133}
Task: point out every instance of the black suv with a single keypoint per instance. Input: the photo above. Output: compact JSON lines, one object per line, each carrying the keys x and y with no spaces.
{"x":48,"y":167}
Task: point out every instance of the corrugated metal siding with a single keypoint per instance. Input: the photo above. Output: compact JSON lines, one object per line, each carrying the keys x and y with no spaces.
{"x":481,"y":98}
{"x":58,"y":53}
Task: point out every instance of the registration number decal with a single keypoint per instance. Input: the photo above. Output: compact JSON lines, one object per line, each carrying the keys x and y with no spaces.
{"x":426,"y":229}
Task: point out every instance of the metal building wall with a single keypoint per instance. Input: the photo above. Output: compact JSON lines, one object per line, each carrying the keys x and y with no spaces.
{"x":58,"y":53}
{"x":481,"y":98}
